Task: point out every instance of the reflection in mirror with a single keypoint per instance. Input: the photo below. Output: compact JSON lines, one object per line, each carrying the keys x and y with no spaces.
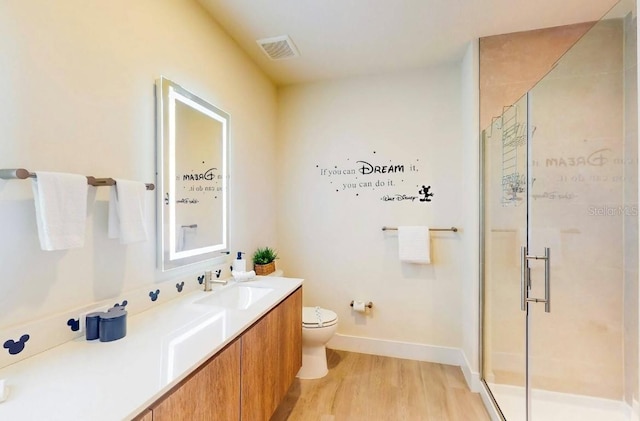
{"x":192,"y":178}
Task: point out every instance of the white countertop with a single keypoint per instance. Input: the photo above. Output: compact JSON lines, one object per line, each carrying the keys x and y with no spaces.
{"x":93,"y":380}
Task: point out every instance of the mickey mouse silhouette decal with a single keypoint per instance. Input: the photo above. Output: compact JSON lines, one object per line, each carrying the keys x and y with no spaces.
{"x":16,"y":347}
{"x":180,"y":286}
{"x":123,"y":305}
{"x":427,"y":195}
{"x":154,"y":295}
{"x":74,"y":324}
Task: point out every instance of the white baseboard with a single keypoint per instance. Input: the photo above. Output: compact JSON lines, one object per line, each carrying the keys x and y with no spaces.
{"x":472,"y":377}
{"x":635,"y":411}
{"x":397,"y":349}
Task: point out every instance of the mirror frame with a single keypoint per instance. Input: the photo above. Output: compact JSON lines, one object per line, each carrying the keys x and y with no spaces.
{"x":167,"y":93}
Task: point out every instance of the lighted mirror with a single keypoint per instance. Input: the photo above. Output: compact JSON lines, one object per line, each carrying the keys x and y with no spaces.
{"x":193,"y":136}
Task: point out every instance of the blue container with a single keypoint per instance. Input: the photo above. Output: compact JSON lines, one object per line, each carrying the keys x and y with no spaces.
{"x":92,"y":325}
{"x":113,"y":325}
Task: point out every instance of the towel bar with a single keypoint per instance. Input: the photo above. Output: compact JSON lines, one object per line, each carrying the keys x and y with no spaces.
{"x":454,"y":229}
{"x":22,"y":174}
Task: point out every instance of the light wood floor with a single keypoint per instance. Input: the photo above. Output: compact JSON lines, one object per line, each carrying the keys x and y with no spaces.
{"x":370,"y":388}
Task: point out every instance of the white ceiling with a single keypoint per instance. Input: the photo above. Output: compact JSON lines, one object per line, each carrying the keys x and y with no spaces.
{"x":338,"y":38}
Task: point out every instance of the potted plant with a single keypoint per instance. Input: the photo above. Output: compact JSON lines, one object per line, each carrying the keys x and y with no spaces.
{"x":264,"y":260}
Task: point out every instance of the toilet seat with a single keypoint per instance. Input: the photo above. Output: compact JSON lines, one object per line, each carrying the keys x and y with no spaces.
{"x":316,"y":317}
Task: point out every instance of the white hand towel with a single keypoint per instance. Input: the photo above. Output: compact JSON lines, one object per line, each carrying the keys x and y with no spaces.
{"x":127,"y":211}
{"x":242,"y":276}
{"x":414,"y":244}
{"x":61,"y":209}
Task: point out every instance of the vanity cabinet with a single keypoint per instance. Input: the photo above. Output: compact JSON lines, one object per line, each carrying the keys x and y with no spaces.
{"x":245,"y":381}
{"x":212,"y":393}
{"x":271,"y":358}
{"x":145,"y":416}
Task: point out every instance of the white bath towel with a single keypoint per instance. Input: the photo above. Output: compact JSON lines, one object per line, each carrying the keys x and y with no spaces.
{"x":127,"y":211}
{"x":414,"y":244}
{"x":61,"y":209}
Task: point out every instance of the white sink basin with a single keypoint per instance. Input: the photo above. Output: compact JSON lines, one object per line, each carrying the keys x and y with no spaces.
{"x":184,"y":347}
{"x":236,"y":297}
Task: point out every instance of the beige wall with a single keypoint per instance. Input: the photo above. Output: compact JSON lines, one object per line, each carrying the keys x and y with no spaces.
{"x":332,"y":237}
{"x":471,"y":205}
{"x":78,"y":96}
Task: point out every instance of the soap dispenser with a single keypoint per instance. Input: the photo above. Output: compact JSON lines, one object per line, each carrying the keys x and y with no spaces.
{"x":240,"y":264}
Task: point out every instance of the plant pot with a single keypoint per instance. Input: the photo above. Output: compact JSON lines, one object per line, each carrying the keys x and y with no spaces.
{"x":265,"y":269}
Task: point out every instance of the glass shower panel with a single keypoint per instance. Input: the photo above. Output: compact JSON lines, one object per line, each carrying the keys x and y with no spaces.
{"x":560,"y":171}
{"x":630,"y":200}
{"x":505,"y":219}
{"x":576,"y":209}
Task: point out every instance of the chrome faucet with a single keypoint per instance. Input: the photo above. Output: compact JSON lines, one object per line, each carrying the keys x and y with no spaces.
{"x":208,"y":280}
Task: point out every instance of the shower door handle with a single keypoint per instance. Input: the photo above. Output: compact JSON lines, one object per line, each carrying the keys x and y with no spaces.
{"x":525,"y":279}
{"x":547,"y":280}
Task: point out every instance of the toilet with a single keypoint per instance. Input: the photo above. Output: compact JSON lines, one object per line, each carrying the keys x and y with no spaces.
{"x":318,"y":326}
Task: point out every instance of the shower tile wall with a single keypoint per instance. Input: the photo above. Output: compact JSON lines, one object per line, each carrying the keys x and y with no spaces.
{"x":511,"y":64}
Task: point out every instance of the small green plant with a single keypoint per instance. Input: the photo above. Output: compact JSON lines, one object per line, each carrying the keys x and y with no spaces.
{"x":264,"y":255}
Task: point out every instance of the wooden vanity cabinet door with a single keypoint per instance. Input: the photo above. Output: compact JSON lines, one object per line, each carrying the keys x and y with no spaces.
{"x":271,"y":357}
{"x":290,"y":342}
{"x":212,"y":393}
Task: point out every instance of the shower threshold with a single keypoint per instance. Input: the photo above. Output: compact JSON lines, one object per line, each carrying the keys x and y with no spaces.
{"x":554,"y":406}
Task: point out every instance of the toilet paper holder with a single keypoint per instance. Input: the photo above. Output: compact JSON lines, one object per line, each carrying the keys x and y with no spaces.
{"x":368,"y":305}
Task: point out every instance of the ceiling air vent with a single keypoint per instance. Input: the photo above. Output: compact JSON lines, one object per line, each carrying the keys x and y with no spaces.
{"x":278,"y":48}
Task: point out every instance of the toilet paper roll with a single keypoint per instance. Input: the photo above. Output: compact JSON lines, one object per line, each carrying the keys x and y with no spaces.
{"x":359,"y":306}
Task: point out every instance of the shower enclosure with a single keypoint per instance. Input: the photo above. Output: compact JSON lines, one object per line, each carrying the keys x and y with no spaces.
{"x":560,"y":237}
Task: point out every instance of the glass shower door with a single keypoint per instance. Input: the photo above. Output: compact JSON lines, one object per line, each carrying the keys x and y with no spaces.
{"x":560,"y":237}
{"x":505,"y":231}
{"x":576,"y":209}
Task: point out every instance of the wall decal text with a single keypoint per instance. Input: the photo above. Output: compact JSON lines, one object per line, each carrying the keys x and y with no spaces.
{"x":391,"y":180}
